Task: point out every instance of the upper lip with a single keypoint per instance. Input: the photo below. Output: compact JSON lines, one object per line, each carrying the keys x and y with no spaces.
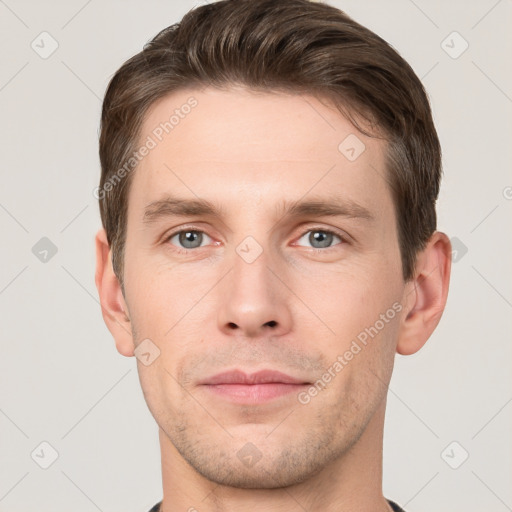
{"x":260,"y":377}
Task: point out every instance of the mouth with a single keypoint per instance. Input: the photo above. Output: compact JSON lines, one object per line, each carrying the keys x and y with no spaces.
{"x":239,"y":387}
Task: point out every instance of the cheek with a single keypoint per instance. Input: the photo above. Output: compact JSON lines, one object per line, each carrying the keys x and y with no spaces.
{"x":157,"y":294}
{"x":342,"y":299}
{"x":355,"y":314}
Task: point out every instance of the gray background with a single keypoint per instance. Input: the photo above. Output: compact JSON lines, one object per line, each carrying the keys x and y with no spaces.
{"x":61,"y":379}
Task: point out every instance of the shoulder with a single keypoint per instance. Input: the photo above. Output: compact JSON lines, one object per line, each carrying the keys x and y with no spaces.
{"x":392,"y":504}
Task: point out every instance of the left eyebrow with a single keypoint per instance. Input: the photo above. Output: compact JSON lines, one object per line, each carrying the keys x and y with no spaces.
{"x":335,"y":207}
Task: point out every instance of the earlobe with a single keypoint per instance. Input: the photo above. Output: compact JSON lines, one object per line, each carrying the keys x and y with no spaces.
{"x":425,"y":295}
{"x":113,"y":306}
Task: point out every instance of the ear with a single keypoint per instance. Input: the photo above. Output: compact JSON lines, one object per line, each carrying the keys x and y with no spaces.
{"x":425,"y":295}
{"x":113,"y":306}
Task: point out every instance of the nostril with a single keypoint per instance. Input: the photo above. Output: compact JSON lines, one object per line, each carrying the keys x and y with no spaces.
{"x":272,"y":323}
{"x":232,"y":325}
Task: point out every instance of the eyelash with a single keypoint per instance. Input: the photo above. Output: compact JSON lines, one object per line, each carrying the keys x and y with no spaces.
{"x":182,"y":250}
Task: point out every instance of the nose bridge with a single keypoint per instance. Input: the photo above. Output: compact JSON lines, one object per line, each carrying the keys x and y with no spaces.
{"x":252,"y":301}
{"x":250,"y":273}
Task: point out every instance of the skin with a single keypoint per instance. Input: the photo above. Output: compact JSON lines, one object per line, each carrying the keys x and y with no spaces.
{"x":295,"y":308}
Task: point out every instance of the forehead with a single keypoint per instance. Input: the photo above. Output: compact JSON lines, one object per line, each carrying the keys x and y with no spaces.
{"x":224,"y":141}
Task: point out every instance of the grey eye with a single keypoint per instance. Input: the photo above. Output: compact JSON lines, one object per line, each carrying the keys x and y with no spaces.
{"x":319,"y":238}
{"x":188,"y":239}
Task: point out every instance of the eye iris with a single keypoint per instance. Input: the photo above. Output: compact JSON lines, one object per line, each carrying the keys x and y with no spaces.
{"x":190,"y":239}
{"x":320,"y":239}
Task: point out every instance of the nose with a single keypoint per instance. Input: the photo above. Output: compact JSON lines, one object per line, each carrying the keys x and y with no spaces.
{"x":253,"y":301}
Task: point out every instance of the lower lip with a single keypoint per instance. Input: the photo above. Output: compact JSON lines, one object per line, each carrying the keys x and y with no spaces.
{"x":254,"y":393}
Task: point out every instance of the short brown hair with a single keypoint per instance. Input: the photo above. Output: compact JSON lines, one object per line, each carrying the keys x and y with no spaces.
{"x":294,"y":46}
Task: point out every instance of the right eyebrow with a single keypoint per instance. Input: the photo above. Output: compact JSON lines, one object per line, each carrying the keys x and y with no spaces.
{"x":173,"y":206}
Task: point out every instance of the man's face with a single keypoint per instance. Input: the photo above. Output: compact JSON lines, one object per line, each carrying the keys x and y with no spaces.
{"x":255,"y":285}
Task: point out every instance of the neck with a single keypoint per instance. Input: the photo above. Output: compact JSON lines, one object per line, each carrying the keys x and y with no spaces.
{"x":352,"y":483}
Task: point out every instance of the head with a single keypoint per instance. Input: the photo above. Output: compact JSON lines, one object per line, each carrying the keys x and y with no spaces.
{"x":268,"y":188}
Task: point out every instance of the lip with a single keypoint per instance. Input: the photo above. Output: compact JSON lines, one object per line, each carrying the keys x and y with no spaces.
{"x":242,"y":388}
{"x":260,"y":377}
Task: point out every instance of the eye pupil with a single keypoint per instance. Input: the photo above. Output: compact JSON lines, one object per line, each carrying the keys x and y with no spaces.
{"x":320,"y":239}
{"x":190,"y":239}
